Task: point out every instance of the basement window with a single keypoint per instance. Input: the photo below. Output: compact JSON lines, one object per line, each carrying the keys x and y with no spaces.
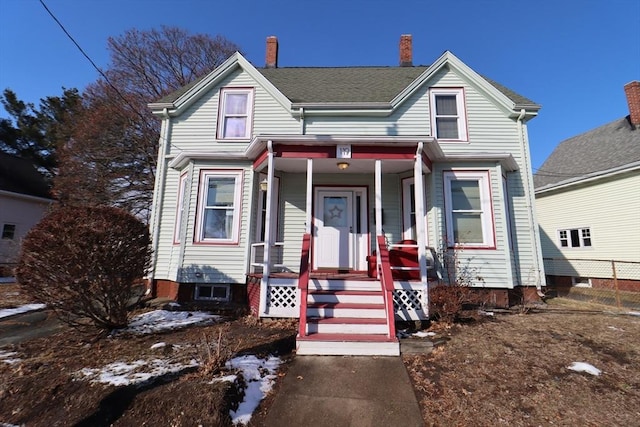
{"x":211,"y":292}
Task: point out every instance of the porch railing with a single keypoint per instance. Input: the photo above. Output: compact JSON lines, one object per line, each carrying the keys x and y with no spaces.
{"x":386,"y":280}
{"x":256,"y":256}
{"x":303,"y":283}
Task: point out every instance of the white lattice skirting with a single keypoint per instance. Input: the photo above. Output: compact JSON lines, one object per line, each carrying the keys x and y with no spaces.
{"x":409,"y":302}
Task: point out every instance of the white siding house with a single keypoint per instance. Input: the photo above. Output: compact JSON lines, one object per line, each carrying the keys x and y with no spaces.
{"x":588,"y":204}
{"x":288,"y":187}
{"x":24,"y":200}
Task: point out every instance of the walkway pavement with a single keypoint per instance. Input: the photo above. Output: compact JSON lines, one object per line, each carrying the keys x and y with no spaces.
{"x":345,"y":391}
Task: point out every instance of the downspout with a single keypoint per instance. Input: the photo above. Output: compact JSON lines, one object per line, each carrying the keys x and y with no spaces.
{"x":158,"y":194}
{"x":530,"y":191}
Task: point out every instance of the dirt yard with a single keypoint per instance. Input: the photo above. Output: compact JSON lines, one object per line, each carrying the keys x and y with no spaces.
{"x":509,"y":369}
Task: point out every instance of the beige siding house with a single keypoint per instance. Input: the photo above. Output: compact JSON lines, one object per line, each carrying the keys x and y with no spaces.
{"x":340,"y":195}
{"x":588,"y":204}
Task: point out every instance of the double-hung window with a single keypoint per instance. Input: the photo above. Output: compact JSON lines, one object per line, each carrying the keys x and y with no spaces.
{"x":180,"y":211}
{"x":235,"y":113}
{"x":448,"y":118}
{"x":575,"y":237}
{"x":468,"y":209}
{"x":219,"y":206}
{"x":409,"y":209}
{"x":8,"y":231}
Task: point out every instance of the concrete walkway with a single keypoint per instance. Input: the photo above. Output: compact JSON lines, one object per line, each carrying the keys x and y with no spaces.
{"x":349,"y":391}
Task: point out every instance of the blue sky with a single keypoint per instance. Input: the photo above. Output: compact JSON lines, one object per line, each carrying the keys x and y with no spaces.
{"x":571,"y":56}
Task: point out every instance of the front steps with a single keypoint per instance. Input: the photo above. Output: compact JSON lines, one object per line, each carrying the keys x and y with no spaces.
{"x":346,"y":318}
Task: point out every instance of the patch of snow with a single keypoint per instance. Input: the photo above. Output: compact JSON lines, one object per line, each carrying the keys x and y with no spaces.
{"x":174,"y":304}
{"x":158,"y":345}
{"x":226,"y":378}
{"x":485,"y":313}
{"x":615,"y":329}
{"x":422,"y":334}
{"x":22,"y":309}
{"x":634,"y":313}
{"x":259,"y":375}
{"x":164,"y":320}
{"x":584,"y":367}
{"x":139,"y":371}
{"x":6,"y":357}
{"x":7,"y":280}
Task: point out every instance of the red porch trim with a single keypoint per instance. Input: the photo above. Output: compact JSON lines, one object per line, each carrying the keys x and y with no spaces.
{"x":303,"y":284}
{"x":382,"y":152}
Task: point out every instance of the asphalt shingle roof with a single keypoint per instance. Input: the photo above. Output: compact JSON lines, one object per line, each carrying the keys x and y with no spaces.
{"x":613,"y":145}
{"x":18,"y":175}
{"x":346,"y":84}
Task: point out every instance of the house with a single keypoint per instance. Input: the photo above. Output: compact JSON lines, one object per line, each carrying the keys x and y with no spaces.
{"x":24,"y":200}
{"x":588,"y":205}
{"x":332,"y":194}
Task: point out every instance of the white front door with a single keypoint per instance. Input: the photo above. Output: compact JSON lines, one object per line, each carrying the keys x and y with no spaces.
{"x":335,"y":238}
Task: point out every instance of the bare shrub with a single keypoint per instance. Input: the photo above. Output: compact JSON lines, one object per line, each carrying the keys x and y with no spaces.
{"x":215,"y":353}
{"x":84,"y":263}
{"x":453,"y":301}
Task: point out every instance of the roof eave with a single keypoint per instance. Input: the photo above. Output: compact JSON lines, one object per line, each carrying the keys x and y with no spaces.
{"x":561,"y":185}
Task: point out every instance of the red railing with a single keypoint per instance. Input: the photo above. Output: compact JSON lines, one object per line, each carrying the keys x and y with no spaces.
{"x":303,"y":283}
{"x":387,"y":285}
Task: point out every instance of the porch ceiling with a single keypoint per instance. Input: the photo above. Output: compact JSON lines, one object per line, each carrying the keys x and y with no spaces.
{"x":358,"y":166}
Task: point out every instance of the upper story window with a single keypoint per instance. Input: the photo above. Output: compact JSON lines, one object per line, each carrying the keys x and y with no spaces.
{"x":219,"y":207}
{"x":235,"y":113}
{"x":448,"y":118}
{"x":468,"y":209}
{"x":575,"y":238}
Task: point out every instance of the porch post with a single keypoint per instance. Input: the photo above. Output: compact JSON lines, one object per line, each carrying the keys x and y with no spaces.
{"x":266,"y":267}
{"x":307,"y":224}
{"x":420,"y":229}
{"x":378,"y":205}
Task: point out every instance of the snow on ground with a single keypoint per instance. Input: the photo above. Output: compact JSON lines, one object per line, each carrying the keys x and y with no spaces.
{"x":584,"y":367}
{"x":139,"y":371}
{"x":163,"y":320}
{"x":259,"y":376}
{"x":634,"y":313}
{"x":7,"y":357}
{"x":22,"y":309}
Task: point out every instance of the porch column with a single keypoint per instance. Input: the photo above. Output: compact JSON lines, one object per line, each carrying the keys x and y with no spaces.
{"x":309,"y":204}
{"x":266,"y":266}
{"x":419,"y":200}
{"x":378,"y":214}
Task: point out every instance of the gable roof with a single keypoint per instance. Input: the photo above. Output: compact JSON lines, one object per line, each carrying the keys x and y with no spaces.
{"x":606,"y":148}
{"x":339,"y":85}
{"x":20,"y":176}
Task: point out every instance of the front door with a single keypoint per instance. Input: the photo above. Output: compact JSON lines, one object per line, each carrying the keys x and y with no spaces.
{"x":334,"y":238}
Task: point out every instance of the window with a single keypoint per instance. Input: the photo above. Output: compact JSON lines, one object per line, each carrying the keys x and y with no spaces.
{"x":219,"y":206}
{"x":212,"y":292}
{"x":409,"y":209}
{"x":448,"y":121}
{"x":182,"y":194}
{"x":575,"y":238}
{"x":235,"y":117}
{"x":468,"y":209}
{"x":8,"y":231}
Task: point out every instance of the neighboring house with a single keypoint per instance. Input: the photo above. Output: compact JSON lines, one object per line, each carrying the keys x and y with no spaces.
{"x":24,"y":199}
{"x":288,"y":186}
{"x":588,"y":204}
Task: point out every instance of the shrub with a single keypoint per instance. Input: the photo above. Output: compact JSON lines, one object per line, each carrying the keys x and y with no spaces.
{"x":84,"y":263}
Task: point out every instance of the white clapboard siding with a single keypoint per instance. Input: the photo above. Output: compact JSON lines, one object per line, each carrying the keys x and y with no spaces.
{"x":609,"y":207}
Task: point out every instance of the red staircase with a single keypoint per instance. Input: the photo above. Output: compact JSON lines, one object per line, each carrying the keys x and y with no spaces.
{"x":345,"y":316}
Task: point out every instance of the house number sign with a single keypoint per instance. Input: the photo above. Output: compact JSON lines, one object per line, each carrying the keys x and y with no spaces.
{"x":343,"y":151}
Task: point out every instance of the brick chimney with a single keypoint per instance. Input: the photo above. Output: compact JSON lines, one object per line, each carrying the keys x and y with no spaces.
{"x":406,"y":51}
{"x":632,"y":90}
{"x":272,"y":52}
